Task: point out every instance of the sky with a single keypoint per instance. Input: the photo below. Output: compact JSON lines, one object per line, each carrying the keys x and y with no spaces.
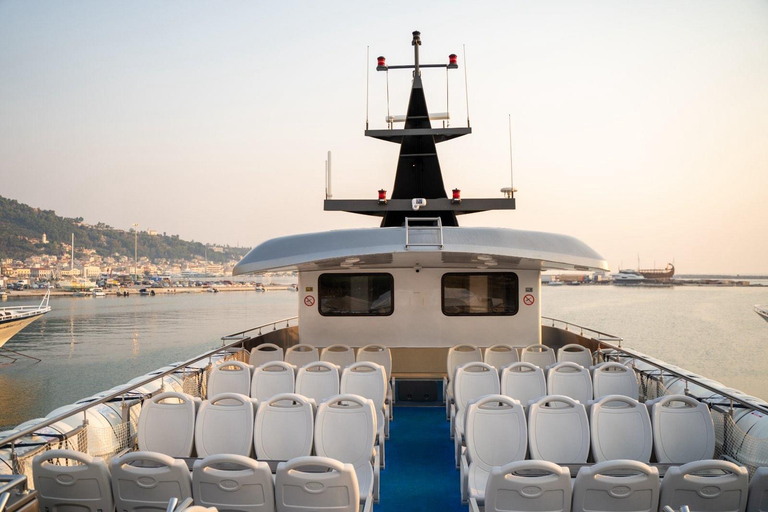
{"x":638,"y":127}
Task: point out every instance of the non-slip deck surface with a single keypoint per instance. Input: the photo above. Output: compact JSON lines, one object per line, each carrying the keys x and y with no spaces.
{"x":420,"y":473}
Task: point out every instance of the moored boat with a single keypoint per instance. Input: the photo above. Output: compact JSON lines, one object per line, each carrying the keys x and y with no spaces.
{"x":762,"y":311}
{"x":15,"y":318}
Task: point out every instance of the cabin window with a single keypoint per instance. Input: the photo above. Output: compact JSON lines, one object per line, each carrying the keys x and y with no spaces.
{"x":489,"y":294}
{"x":356,"y":294}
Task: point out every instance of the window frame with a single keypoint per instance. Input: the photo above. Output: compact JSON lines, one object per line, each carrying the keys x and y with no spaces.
{"x":355,"y":274}
{"x":491,"y":313}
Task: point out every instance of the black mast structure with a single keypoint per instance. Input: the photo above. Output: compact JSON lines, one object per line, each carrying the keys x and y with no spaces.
{"x":419,"y":191}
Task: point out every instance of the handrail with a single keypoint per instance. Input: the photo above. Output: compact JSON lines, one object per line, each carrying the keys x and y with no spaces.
{"x":240,"y":334}
{"x":8,"y":483}
{"x":29,"y":430}
{"x":642,"y":357}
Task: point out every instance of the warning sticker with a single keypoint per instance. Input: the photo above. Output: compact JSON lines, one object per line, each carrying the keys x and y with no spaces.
{"x":528,"y":300}
{"x":309,"y":300}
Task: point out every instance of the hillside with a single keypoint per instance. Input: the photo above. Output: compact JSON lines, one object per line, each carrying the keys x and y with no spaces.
{"x":22,"y":227}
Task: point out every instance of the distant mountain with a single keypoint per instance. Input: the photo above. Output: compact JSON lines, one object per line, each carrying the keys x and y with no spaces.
{"x":22,"y":228}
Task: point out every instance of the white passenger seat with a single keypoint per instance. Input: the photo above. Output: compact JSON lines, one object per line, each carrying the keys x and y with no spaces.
{"x":575,"y":353}
{"x":318,"y":381}
{"x":523,"y":382}
{"x":272,"y":379}
{"x":706,"y":486}
{"x":380,"y":354}
{"x":144,"y":481}
{"x":625,"y":485}
{"x":167,"y":424}
{"x":230,"y":377}
{"x":233,"y":482}
{"x":527,"y":485}
{"x":683,"y":430}
{"x":472,"y":381}
{"x":500,"y":356}
{"x":311,"y":484}
{"x":758,"y":491}
{"x":558,"y":430}
{"x":621,"y":429}
{"x":345,"y":430}
{"x":369,"y":380}
{"x":496,"y":434}
{"x":284,"y":428}
{"x":301,"y":354}
{"x":538,"y":354}
{"x":225,"y":425}
{"x":265,"y":353}
{"x":85,"y":486}
{"x":570,"y":379}
{"x":615,"y":379}
{"x":340,"y":355}
{"x":458,"y":355}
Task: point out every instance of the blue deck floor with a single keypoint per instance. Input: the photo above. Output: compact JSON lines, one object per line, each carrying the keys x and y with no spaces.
{"x":420,"y":473}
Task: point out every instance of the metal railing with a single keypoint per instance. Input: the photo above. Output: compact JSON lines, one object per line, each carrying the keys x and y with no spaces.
{"x":238,"y":337}
{"x":604,"y":341}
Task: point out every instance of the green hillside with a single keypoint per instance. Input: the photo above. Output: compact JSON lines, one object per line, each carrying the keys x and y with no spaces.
{"x":20,"y":223}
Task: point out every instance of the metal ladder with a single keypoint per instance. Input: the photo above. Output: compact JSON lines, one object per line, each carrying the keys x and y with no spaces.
{"x":420,"y":235}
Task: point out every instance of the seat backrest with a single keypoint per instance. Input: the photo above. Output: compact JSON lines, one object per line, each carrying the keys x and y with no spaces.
{"x":474,"y":380}
{"x":496,"y":431}
{"x":272,"y":379}
{"x":614,"y":379}
{"x":523,"y":382}
{"x":265,"y":353}
{"x":683,"y":430}
{"x":462,"y":354}
{"x":224,"y":425}
{"x":318,"y":381}
{"x":301,"y":354}
{"x":528,"y":485}
{"x":284,"y":428}
{"x":83,"y":486}
{"x":538,"y":354}
{"x":345,"y":429}
{"x":378,"y":354}
{"x":558,"y":430}
{"x":151,"y":483}
{"x":366,"y":379}
{"x":570,"y":379}
{"x":706,"y":485}
{"x":301,"y":485}
{"x":575,"y":353}
{"x":229,"y":377}
{"x":758,"y":491}
{"x":625,"y":485}
{"x":232,"y":481}
{"x":620,"y":429}
{"x":167,"y":424}
{"x":340,"y":355}
{"x":500,"y":356}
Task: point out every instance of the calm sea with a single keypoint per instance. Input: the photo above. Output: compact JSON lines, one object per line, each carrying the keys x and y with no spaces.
{"x":88,"y":345}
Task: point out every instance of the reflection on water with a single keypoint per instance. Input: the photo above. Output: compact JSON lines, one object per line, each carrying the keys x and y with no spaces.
{"x":89,"y":345}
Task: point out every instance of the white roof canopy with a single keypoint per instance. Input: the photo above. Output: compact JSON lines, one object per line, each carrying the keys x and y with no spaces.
{"x":462,"y":247}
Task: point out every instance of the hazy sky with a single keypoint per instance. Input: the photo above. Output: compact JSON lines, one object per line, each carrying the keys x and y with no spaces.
{"x":639,"y":127}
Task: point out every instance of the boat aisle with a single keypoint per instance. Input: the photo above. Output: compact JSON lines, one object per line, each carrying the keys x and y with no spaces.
{"x":420,"y":473}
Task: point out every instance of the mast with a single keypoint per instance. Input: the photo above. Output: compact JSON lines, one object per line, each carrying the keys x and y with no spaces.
{"x":419,"y":190}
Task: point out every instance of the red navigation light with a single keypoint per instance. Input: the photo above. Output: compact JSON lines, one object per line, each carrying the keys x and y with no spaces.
{"x":456,"y":196}
{"x":453,"y":61}
{"x":382,"y":196}
{"x":382,"y":64}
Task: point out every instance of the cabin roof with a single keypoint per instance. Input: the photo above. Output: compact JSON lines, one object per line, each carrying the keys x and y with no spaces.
{"x":382,"y":248}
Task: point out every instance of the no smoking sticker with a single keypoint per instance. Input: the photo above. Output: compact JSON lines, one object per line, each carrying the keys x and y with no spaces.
{"x":309,"y":300}
{"x":528,"y":300}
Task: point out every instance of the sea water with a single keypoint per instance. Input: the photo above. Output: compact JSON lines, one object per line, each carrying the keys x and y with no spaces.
{"x":91,"y":344}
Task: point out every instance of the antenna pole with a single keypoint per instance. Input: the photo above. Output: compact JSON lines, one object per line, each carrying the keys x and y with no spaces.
{"x":466,"y":87}
{"x":367,"y":81}
{"x":416,"y":43}
{"x":328,"y":191}
{"x":511,"y":169}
